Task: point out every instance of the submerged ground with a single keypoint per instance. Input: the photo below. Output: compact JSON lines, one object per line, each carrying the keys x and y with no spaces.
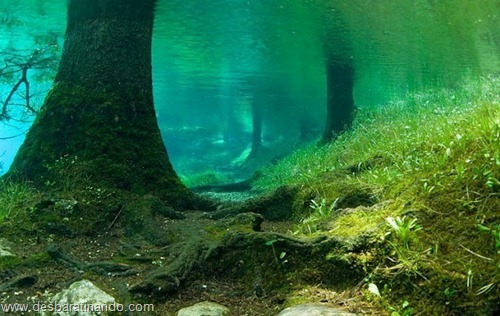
{"x":399,"y":216}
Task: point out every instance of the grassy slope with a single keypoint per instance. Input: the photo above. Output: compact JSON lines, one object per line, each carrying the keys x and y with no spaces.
{"x":434,"y":157}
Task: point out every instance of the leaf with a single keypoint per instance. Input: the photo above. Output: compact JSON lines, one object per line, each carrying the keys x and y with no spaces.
{"x":393,"y":223}
{"x":485,"y":289}
{"x":483,"y":228}
{"x":372,"y":287}
{"x":270,"y":242}
{"x":282,"y":255}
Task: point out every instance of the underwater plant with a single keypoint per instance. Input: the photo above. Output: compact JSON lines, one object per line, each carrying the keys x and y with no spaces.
{"x":279,"y":261}
{"x":321,"y":211}
{"x":494,"y":230}
{"x":404,"y":228}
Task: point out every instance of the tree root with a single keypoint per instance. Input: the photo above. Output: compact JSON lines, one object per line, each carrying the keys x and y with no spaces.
{"x":241,"y":253}
{"x":168,"y":279}
{"x":277,"y":205}
{"x":101,"y":267}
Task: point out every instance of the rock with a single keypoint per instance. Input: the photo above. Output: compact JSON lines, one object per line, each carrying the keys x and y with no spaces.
{"x":313,"y":310}
{"x":204,"y":309}
{"x":5,"y":248}
{"x":81,"y":293}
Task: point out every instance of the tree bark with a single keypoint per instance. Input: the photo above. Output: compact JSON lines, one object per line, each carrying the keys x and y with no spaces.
{"x":98,"y":121}
{"x":340,"y":102}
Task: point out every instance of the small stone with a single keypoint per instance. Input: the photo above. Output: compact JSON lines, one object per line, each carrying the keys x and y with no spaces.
{"x":204,"y":309}
{"x":5,"y":248}
{"x":82,"y":293}
{"x":313,"y":310}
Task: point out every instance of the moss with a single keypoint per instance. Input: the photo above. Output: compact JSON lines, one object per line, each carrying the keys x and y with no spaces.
{"x":139,"y":220}
{"x":437,"y":162}
{"x":9,"y":262}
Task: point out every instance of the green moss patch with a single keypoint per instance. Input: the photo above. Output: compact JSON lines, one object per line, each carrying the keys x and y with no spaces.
{"x":418,"y":180}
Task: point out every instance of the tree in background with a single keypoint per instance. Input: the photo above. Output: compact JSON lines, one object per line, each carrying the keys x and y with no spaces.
{"x":99,"y":114}
{"x":339,"y":68}
{"x":256,"y":128}
{"x":340,"y":102}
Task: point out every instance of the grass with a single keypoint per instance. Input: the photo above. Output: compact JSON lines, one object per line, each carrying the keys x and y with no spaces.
{"x":15,"y":197}
{"x":448,"y":128}
{"x":434,"y":156}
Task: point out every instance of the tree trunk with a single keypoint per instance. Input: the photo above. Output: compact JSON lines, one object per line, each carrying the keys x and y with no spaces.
{"x":256,"y":129}
{"x":98,"y":121}
{"x":340,"y":102}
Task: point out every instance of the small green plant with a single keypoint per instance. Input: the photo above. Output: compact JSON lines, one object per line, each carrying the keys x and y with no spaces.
{"x":404,"y":228}
{"x":279,"y":261}
{"x":449,"y":293}
{"x":320,"y":212}
{"x":470,"y":276}
{"x":494,"y":230}
{"x":403,"y":310}
{"x":487,"y":288}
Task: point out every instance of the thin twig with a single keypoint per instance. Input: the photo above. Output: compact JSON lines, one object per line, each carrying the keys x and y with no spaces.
{"x":476,"y":254}
{"x":116,"y":217}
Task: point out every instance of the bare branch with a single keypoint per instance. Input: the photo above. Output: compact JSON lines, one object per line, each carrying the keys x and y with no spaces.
{"x":20,"y":62}
{"x":13,"y":136}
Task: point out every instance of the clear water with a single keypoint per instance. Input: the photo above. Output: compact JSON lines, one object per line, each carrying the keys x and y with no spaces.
{"x":213,"y":59}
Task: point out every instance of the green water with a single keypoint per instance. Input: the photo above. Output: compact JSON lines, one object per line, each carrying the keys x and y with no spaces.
{"x":213,"y":60}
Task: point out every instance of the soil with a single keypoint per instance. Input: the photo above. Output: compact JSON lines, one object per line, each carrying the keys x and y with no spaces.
{"x":142,"y":257}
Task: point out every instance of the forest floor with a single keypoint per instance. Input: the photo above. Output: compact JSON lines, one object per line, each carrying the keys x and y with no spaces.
{"x":39,"y":276}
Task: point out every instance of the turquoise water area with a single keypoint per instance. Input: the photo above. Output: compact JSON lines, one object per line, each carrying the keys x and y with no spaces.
{"x":213,"y":61}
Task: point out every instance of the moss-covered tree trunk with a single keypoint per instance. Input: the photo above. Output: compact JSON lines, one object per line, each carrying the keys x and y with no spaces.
{"x":340,"y":102}
{"x":98,"y":120}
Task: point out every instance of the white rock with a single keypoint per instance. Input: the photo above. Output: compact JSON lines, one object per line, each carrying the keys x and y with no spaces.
{"x":204,"y":309}
{"x":313,"y":310}
{"x":88,"y":299}
{"x":5,"y":248}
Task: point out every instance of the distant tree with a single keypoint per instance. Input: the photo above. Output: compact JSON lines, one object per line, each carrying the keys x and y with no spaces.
{"x":100,"y":112}
{"x":256,"y":128}
{"x":340,"y":102}
{"x":340,"y":75}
